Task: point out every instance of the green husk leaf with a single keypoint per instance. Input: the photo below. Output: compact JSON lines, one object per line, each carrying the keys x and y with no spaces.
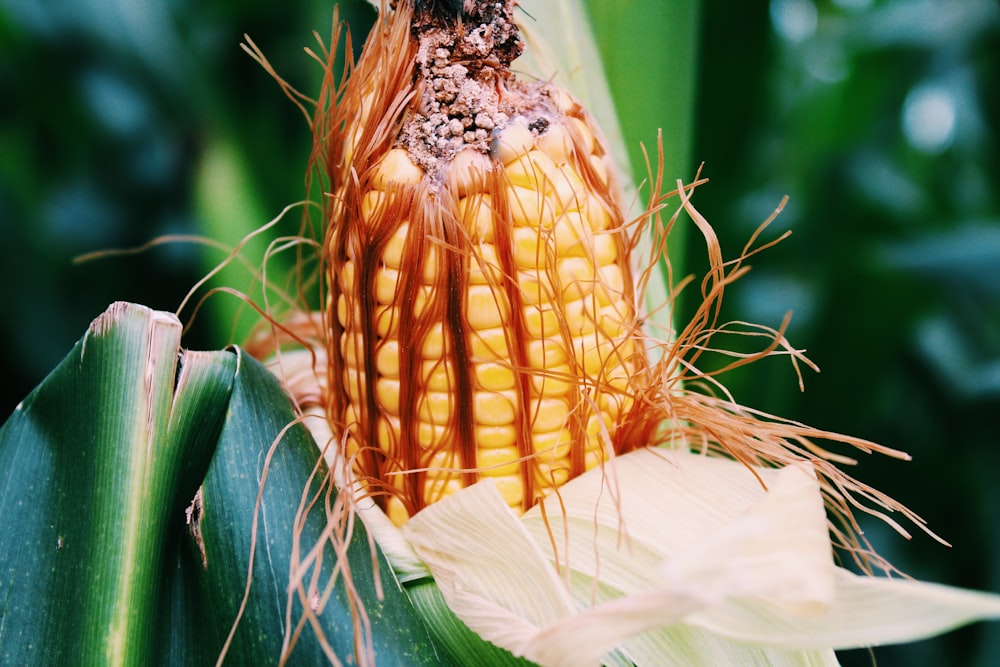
{"x":229,"y":206}
{"x":653,"y":86}
{"x":97,"y":464}
{"x":361,"y":612}
{"x":562,"y":46}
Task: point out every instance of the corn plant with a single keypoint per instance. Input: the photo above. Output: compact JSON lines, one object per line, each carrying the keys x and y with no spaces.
{"x":469,"y":432}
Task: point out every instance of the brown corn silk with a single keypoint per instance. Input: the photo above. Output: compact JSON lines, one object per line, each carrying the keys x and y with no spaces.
{"x":483,"y":318}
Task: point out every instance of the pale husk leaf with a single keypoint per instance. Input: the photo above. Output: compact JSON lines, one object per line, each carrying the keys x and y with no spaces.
{"x":493,"y":554}
{"x":868,"y":611}
{"x":687,"y":549}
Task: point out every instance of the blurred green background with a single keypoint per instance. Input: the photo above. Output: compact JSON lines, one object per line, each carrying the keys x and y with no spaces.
{"x":124,"y":121}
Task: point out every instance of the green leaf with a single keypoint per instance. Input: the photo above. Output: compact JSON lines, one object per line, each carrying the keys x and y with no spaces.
{"x":560,"y":47}
{"x":229,"y":206}
{"x":601,"y":52}
{"x":254,"y":456}
{"x":97,"y":465}
{"x":648,"y":49}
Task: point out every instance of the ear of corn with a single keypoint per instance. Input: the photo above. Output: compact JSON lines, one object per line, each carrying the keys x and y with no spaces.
{"x":483,"y":302}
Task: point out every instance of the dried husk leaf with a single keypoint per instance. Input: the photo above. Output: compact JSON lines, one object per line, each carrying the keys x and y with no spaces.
{"x":681,"y":543}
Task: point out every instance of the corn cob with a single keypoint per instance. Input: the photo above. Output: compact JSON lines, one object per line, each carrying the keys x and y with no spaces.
{"x":482,"y":301}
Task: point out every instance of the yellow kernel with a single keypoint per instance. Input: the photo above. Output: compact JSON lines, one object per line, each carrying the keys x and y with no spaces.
{"x":596,"y":211}
{"x":387,"y":358}
{"x":494,"y":376}
{"x":372,"y":204}
{"x":554,"y":381}
{"x":395,"y":478}
{"x":496,"y":462}
{"x":387,"y":395}
{"x":441,"y":460}
{"x":599,"y":166}
{"x":545,"y":352}
{"x":342,"y":311}
{"x":468,"y":170}
{"x":620,"y":378}
{"x":429,"y":436}
{"x":396,"y":511}
{"x":437,"y":376}
{"x":392,"y":253}
{"x":386,"y":282}
{"x":485,"y":307}
{"x":352,"y":321}
{"x":596,"y":424}
{"x":579,"y":316}
{"x":487,"y":344}
{"x":592,"y":459}
{"x":354,"y":382}
{"x":437,"y":488}
{"x":567,"y":189}
{"x":387,"y":434}
{"x":424,"y":297}
{"x":563,"y":100}
{"x":572,"y":234}
{"x":431,"y":264}
{"x":584,"y":135}
{"x":529,"y":248}
{"x":595,"y":357}
{"x":535,"y":286}
{"x":495,"y":436}
{"x":610,"y":284}
{"x":495,"y":408}
{"x":556,"y":143}
{"x":576,"y":277}
{"x":551,"y":475}
{"x":351,"y":418}
{"x":386,"y":321}
{"x":513,"y":141}
{"x":540,"y":322}
{"x":612,"y":322}
{"x":346,"y":276}
{"x":605,"y":249}
{"x":548,"y":414}
{"x":476,"y":213}
{"x":622,"y":381}
{"x":434,"y":344}
{"x":511,"y":489}
{"x":353,"y":445}
{"x":484,"y":265}
{"x":552,"y":445}
{"x":350,"y":348}
{"x":530,"y":207}
{"x":613,"y":405}
{"x":396,"y":167}
{"x":534,"y":170}
{"x":434,"y":407}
